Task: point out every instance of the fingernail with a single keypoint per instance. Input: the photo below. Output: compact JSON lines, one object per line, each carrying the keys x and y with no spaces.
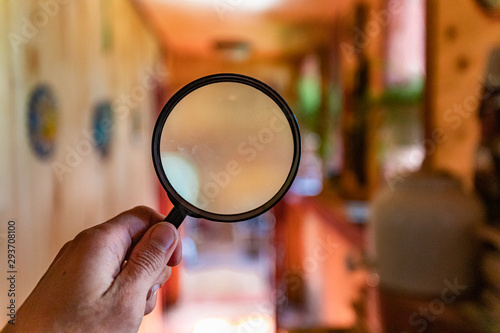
{"x":163,"y":235}
{"x":153,"y":291}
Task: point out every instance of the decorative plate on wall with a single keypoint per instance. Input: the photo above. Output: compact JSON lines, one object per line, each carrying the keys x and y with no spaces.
{"x":102,"y":124}
{"x":42,"y":121}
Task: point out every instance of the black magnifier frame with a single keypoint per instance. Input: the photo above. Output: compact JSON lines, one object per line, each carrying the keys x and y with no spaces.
{"x":181,"y":206}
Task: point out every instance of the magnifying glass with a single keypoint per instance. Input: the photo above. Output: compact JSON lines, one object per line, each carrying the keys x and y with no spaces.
{"x":226,"y":147}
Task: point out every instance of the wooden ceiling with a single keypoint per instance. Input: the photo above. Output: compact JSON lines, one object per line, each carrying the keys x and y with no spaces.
{"x":214,"y":28}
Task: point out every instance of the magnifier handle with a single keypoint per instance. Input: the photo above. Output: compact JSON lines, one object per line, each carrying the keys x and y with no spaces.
{"x":176,"y":216}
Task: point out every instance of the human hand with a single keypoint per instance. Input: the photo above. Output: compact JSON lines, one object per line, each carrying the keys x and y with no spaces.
{"x":104,"y":280}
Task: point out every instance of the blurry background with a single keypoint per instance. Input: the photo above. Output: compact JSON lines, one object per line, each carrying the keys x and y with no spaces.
{"x":382,"y":89}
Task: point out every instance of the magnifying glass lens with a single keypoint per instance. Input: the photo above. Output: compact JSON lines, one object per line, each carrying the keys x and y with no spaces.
{"x":226,"y":147}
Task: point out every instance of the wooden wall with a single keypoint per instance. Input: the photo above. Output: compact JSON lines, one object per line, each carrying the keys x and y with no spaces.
{"x":460,"y":37}
{"x":86,"y":51}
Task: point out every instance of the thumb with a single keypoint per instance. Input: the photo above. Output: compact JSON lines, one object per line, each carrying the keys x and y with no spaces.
{"x":149,"y":258}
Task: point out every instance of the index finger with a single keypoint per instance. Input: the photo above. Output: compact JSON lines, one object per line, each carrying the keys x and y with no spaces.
{"x":135,"y":221}
{"x":132,"y":224}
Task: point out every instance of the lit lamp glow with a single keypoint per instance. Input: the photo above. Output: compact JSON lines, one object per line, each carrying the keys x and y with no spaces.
{"x":255,"y":324}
